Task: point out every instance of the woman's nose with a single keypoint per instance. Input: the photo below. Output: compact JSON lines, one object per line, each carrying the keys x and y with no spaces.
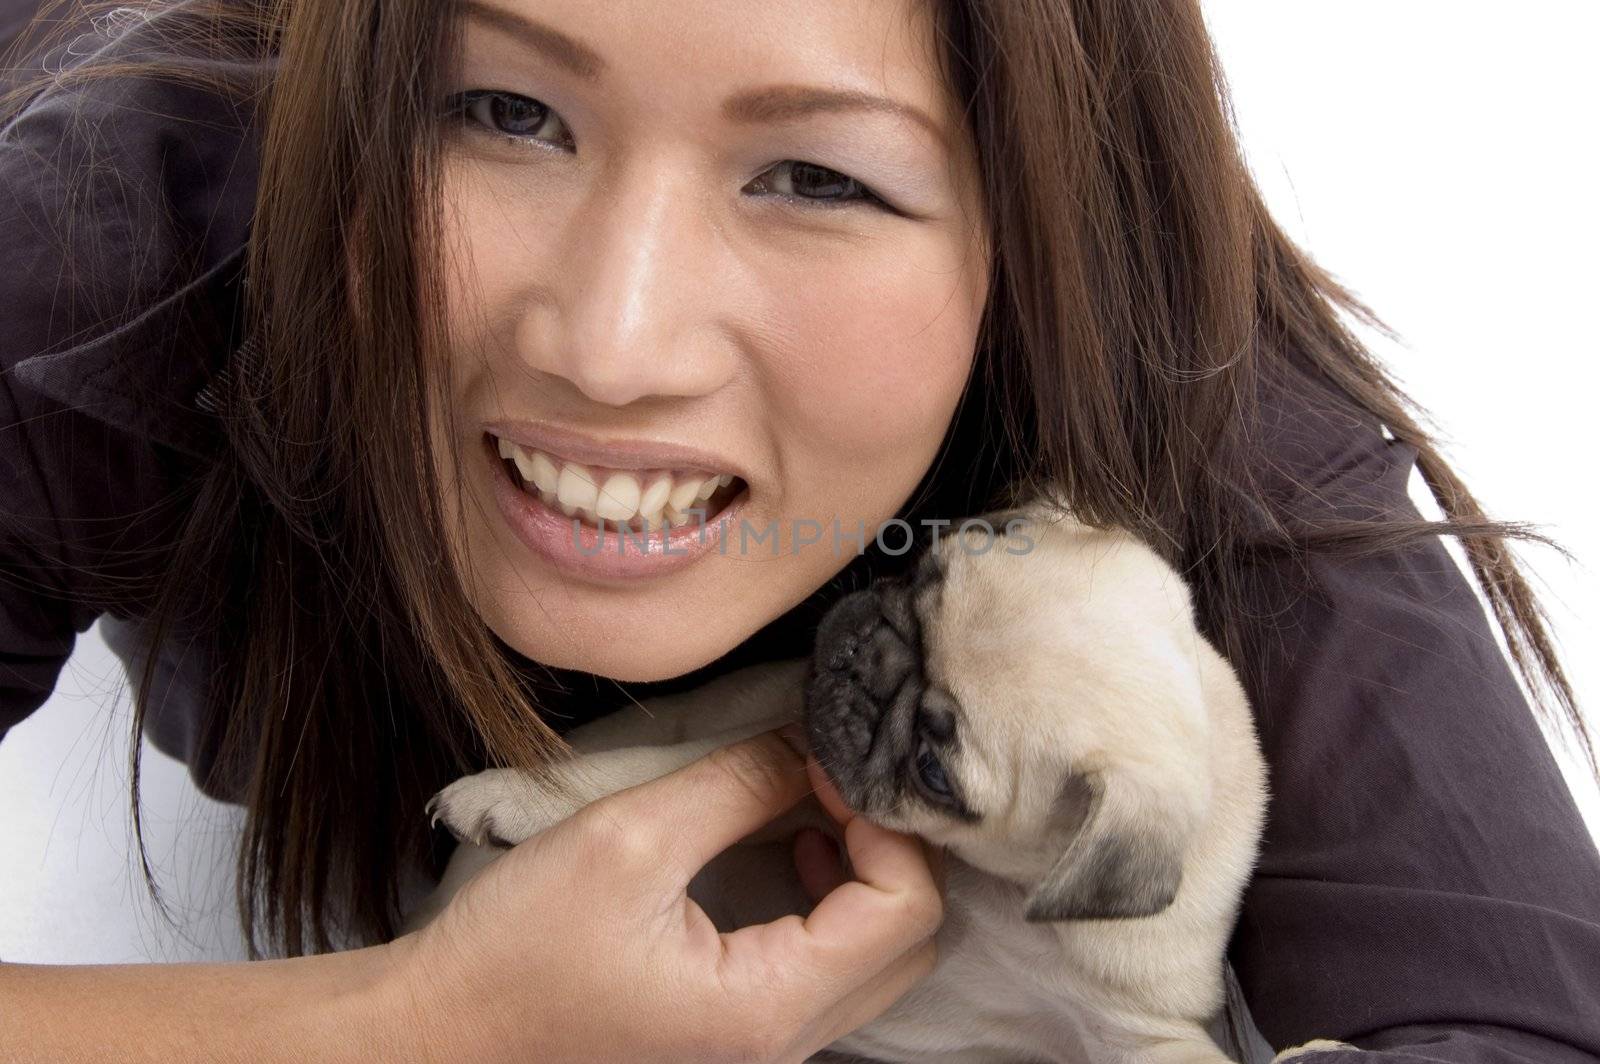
{"x":636,"y":299}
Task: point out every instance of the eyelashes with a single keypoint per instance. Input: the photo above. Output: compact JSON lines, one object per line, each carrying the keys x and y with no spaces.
{"x":509,"y":116}
{"x":506,"y":113}
{"x":802,"y":172}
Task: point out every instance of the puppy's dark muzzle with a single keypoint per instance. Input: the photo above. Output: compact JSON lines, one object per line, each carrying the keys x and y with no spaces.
{"x":865,"y":679}
{"x":844,"y":629}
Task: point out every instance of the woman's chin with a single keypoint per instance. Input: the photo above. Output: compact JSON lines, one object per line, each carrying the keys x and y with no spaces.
{"x":629,"y":650}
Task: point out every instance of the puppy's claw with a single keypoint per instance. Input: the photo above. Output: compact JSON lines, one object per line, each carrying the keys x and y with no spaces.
{"x":499,"y":807}
{"x":431,"y":812}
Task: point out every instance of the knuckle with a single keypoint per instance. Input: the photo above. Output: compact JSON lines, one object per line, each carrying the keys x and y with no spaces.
{"x":611,"y":838}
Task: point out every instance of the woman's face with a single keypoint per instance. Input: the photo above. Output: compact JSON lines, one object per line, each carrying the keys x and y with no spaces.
{"x":685,"y":240}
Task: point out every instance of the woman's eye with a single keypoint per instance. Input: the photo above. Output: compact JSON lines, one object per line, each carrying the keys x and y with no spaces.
{"x":817,"y":185}
{"x":508,"y":114}
{"x":518,"y":117}
{"x":931,"y":772}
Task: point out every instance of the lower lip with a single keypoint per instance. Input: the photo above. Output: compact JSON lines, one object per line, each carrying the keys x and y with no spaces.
{"x":581,"y":549}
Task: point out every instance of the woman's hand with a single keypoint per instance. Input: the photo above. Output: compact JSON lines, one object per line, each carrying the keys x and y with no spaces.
{"x":582,"y":944}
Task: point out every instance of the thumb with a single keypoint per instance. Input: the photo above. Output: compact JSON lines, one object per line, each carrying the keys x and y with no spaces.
{"x":710,"y":804}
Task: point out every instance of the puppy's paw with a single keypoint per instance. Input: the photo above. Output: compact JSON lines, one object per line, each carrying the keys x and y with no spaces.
{"x":499,"y":807}
{"x":1320,"y":1045}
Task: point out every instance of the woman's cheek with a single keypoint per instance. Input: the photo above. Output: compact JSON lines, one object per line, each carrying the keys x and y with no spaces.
{"x":884,"y":364}
{"x":482,"y":255}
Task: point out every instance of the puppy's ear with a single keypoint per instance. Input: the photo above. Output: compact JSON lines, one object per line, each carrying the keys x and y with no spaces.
{"x":1124,"y":859}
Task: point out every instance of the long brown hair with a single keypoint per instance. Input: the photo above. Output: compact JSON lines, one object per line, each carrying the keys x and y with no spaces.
{"x":1141,"y":303}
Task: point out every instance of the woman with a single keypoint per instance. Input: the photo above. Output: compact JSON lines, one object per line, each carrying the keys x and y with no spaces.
{"x":323,"y":259}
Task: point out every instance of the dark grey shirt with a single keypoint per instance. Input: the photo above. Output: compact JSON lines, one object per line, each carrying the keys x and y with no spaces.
{"x":1426,"y":886}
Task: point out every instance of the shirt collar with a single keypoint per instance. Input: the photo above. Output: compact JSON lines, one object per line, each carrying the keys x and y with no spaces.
{"x":147,"y":376}
{"x":130,"y":200}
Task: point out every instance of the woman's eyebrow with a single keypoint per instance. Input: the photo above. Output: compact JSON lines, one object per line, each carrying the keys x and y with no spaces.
{"x":569,"y":53}
{"x":780,"y":103}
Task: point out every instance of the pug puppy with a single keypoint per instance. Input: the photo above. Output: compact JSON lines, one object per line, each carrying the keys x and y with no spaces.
{"x":1038,"y":703}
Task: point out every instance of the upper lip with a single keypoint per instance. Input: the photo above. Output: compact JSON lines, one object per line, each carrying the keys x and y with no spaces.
{"x":617,"y":453}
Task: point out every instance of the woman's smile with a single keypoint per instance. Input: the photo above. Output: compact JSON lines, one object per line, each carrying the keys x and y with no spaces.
{"x":616,"y":524}
{"x":638,"y":485}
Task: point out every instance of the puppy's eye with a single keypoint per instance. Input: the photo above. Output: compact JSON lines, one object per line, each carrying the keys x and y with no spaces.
{"x":931,"y":772}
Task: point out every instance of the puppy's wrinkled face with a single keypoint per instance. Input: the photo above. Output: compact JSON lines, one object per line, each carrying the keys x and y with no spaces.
{"x":989,"y":699}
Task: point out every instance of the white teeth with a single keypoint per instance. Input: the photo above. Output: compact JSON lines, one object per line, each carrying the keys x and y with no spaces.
{"x":655,"y":497}
{"x":619,"y":498}
{"x":684,"y":493}
{"x":545,"y":474}
{"x":524,"y":462}
{"x":649,"y":501}
{"x":576,"y":488}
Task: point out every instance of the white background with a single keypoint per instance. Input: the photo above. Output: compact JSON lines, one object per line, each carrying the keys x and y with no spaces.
{"x":1439,"y":157}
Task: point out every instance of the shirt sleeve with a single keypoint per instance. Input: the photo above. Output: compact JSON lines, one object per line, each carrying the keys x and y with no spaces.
{"x":1426,"y":890}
